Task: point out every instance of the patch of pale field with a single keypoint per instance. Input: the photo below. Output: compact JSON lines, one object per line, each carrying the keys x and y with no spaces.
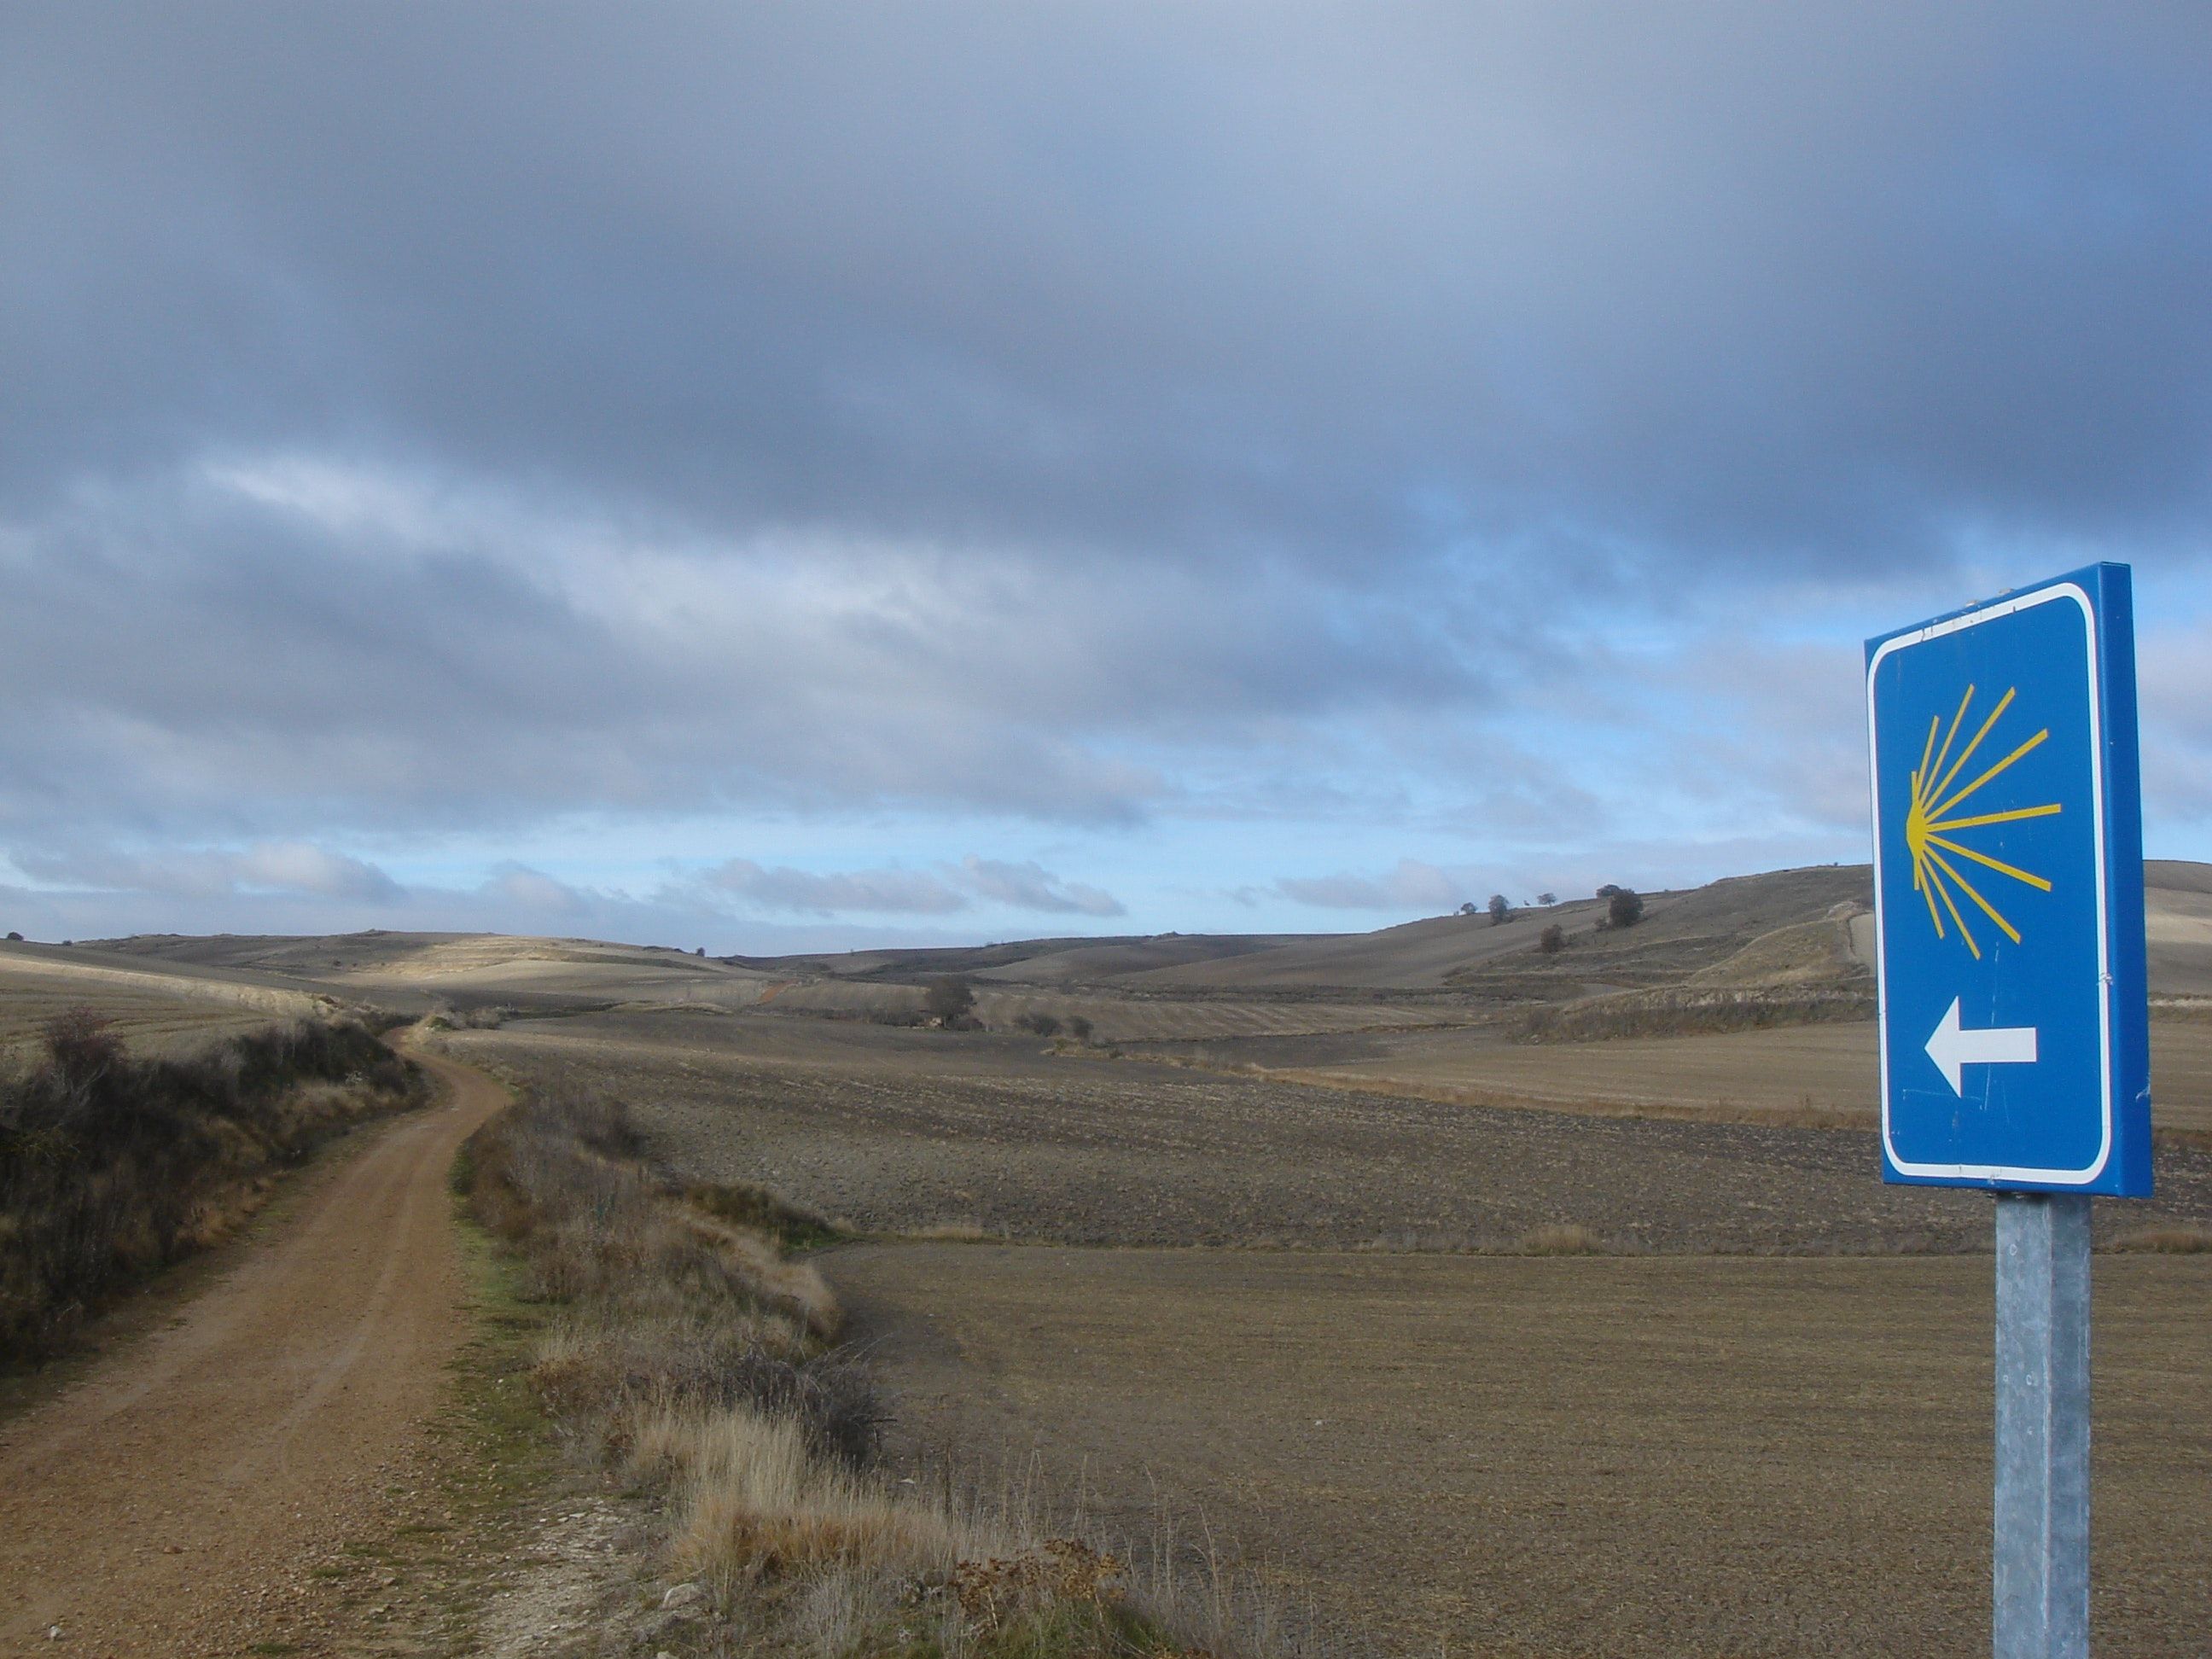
{"x":153,"y":1012}
{"x":1562,"y":1456}
{"x":1804,"y":1074}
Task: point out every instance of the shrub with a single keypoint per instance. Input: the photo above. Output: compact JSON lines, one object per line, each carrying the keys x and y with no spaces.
{"x":950,"y":1000}
{"x":677,"y":1298}
{"x":111,"y":1167}
{"x":749,"y":1203}
{"x":1044,"y":1025}
{"x":1623,"y":908}
{"x":1551,"y":940}
{"x":1560,"y":1238}
{"x":1499,"y":909}
{"x":1078,"y":1027}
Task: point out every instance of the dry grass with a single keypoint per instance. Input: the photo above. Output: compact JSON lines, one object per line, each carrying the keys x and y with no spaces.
{"x":967,"y":1231}
{"x":1701,"y":1012}
{"x":1561,"y":1239}
{"x":753,"y":1501}
{"x":2164,"y":1240}
{"x":696,"y":1359}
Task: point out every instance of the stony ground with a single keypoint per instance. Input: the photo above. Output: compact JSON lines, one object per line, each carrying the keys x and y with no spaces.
{"x":1690,"y":1451}
{"x":1510,"y":1455}
{"x":902,"y":1130}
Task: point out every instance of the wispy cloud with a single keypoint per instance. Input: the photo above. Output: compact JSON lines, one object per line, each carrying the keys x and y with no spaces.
{"x":1409,"y":885}
{"x":875,"y":892}
{"x":938,"y":891}
{"x":1032,"y":887}
{"x":282,"y":867}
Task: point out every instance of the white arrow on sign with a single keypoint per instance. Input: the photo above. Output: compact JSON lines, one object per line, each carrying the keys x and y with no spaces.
{"x":1953,"y":1048}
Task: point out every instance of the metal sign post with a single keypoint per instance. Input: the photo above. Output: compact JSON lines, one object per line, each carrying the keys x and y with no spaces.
{"x":2042,"y":1564}
{"x":2014,"y":1028}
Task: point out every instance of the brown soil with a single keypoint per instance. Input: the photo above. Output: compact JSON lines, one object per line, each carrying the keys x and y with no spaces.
{"x":178,"y":1497}
{"x":902,"y":1131}
{"x":1561,"y":1457}
{"x":1805,"y":1074}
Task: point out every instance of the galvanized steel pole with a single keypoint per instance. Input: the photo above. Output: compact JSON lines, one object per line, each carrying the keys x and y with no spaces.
{"x":2041,"y":1579}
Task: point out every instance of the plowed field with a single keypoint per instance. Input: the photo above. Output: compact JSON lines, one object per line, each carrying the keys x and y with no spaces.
{"x":900,"y":1130}
{"x":1513,"y":1456}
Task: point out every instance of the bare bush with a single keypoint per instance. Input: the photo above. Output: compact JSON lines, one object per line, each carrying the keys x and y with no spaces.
{"x":951,"y":1001}
{"x":111,"y":1168}
{"x":1560,"y":1238}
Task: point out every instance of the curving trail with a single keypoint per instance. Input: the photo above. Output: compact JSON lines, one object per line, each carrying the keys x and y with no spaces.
{"x":168,"y":1504}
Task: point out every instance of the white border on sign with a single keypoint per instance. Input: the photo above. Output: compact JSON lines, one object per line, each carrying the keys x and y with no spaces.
{"x":2006,"y":607}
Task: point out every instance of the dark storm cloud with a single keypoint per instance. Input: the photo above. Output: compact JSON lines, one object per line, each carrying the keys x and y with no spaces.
{"x":419,"y":415}
{"x":1731,"y":280}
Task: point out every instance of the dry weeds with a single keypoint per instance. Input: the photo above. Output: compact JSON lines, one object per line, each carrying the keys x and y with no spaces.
{"x":2164,"y":1241}
{"x":1561,"y":1239}
{"x":697,"y":1360}
{"x":969,"y":1231}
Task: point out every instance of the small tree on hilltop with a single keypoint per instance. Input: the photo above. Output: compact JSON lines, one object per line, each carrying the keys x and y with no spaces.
{"x":1468,"y":908}
{"x":1548,"y":900}
{"x":1551,"y":940}
{"x":950,"y":1000}
{"x":1608,"y":891}
{"x":1623,"y":907}
{"x":1499,"y":909}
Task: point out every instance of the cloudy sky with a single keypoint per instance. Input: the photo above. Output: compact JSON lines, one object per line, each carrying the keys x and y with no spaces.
{"x":755,"y":475}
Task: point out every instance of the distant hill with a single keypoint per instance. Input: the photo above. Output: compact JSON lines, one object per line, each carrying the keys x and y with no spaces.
{"x":1804,"y":931}
{"x":413,"y":971}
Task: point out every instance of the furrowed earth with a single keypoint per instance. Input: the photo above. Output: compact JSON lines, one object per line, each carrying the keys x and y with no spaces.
{"x":1480,"y":1297}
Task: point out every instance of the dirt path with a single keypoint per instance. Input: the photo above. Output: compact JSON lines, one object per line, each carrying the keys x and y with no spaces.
{"x":170,"y":1504}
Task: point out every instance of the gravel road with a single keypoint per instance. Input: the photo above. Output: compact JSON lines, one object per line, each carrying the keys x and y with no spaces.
{"x":172,"y":1502}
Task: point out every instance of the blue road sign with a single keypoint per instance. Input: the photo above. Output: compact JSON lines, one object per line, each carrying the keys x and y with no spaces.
{"x":2008,"y":885}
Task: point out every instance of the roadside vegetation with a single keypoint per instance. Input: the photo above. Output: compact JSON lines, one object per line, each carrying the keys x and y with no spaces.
{"x":692,"y":1357}
{"x":113,"y":1167}
{"x":1696,"y":1012}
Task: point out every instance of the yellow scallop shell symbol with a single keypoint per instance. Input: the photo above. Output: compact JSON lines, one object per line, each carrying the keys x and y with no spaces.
{"x":1930,"y":828}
